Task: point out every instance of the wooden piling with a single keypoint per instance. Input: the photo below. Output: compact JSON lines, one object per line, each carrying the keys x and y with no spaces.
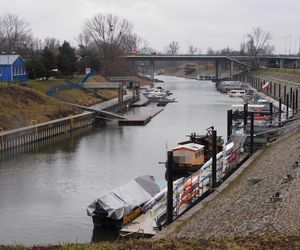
{"x":271,"y":111}
{"x":287,"y":106}
{"x":214,"y":160}
{"x":296,"y":100}
{"x":280,"y":111}
{"x":252,"y":134}
{"x":170,"y":188}
{"x":229,"y":123}
{"x":245,"y":115}
{"x":279,"y":91}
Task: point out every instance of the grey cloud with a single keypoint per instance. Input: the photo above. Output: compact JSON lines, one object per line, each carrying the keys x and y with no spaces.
{"x":215,"y":23}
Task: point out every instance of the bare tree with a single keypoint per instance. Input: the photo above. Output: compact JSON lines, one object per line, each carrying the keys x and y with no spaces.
{"x":52,"y":44}
{"x":243,"y":48}
{"x":258,"y":43}
{"x":210,"y":51}
{"x":15,"y":33}
{"x":172,"y":48}
{"x":111,"y":35}
{"x":192,"y":50}
{"x":105,"y":30}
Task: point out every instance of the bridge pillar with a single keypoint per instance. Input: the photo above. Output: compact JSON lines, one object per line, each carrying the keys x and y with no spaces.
{"x":152,"y":70}
{"x":231,"y":69}
{"x":281,"y":63}
{"x":120,"y":93}
{"x":218,"y":69}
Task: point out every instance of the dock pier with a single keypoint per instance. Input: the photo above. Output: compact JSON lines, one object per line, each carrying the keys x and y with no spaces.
{"x":140,"y":120}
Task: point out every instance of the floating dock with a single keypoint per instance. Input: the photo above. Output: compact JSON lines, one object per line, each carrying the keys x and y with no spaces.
{"x":140,"y":119}
{"x":144,"y":101}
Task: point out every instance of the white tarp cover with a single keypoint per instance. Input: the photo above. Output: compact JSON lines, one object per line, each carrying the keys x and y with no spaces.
{"x":124,"y":199}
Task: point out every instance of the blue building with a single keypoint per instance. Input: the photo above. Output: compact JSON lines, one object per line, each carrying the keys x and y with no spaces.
{"x":12,"y":68}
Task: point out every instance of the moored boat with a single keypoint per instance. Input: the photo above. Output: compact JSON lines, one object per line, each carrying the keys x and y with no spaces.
{"x":236,"y":92}
{"x":190,"y":155}
{"x":123,"y":204}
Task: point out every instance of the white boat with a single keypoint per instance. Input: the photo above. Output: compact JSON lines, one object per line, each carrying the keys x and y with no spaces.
{"x":237,"y":92}
{"x":156,"y":97}
{"x":157,"y":91}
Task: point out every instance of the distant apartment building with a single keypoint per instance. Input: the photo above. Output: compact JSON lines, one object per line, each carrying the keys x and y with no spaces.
{"x":12,"y":68}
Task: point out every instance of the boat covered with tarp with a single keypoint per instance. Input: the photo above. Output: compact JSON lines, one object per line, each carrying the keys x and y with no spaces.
{"x":123,"y":204}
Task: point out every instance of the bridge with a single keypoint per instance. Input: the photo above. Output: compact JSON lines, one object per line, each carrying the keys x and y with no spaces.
{"x":219,"y":60}
{"x":242,"y":61}
{"x":280,"y":61}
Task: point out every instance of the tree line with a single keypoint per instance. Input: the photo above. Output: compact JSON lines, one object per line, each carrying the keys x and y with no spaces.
{"x":102,"y":40}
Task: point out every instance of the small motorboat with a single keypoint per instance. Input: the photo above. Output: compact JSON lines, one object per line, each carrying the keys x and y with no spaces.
{"x":237,"y":92}
{"x":164,"y":101}
{"x":123,"y":204}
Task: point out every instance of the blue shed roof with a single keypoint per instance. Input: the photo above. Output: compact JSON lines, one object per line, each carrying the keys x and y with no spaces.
{"x":9,"y":59}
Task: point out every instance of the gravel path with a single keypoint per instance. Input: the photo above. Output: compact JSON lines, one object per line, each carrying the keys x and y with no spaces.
{"x":244,"y":208}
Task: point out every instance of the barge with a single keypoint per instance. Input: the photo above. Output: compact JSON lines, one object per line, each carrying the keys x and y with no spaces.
{"x":189,"y":156}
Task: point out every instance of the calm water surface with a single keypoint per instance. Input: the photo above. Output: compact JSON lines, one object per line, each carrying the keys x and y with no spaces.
{"x":45,"y":188}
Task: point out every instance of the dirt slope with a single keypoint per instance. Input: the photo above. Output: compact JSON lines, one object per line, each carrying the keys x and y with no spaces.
{"x":20,"y":105}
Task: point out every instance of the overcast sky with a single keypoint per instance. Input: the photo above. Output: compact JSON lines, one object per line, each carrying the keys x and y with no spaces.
{"x":203,"y":23}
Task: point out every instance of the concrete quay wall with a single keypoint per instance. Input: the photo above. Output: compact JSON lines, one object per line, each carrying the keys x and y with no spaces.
{"x":21,"y":136}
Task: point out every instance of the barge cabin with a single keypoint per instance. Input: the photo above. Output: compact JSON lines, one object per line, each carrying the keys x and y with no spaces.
{"x":188,"y":157}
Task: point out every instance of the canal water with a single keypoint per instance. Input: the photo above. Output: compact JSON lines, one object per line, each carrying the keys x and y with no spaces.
{"x":45,"y":187}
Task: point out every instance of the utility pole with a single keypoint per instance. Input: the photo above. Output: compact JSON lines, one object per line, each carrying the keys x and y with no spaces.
{"x":289,"y":44}
{"x":299,"y":46}
{"x":285,"y":39}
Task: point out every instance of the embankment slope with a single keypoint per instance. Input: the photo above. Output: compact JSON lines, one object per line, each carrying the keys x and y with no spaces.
{"x":247,"y":209}
{"x":19,"y":106}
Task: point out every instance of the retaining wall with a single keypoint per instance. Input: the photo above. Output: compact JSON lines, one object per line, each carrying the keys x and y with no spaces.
{"x":16,"y":137}
{"x":278,"y":88}
{"x":21,"y":136}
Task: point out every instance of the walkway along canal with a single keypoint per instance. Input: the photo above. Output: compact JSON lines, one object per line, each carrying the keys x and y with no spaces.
{"x":44,"y":190}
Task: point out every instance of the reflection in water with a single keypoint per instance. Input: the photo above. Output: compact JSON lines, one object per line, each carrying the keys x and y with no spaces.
{"x":105,"y":234}
{"x":48,"y":145}
{"x":46,"y":186}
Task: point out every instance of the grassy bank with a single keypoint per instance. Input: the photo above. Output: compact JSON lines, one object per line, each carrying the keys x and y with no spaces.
{"x":19,"y":106}
{"x":230,"y":243}
{"x":284,"y":70}
{"x":290,"y":75}
{"x":68,"y":95}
